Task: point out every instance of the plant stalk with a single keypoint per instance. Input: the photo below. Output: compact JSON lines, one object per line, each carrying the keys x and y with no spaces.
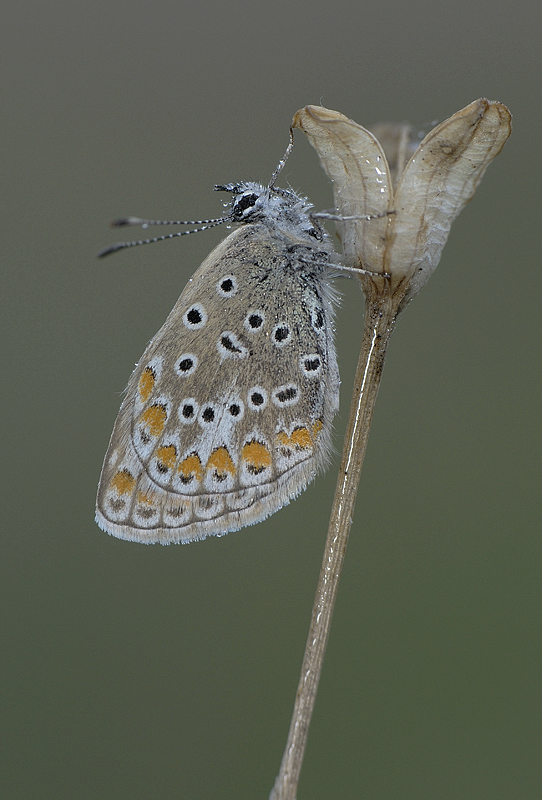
{"x":381,"y":311}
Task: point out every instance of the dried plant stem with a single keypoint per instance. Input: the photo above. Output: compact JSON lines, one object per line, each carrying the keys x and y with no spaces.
{"x":381,"y":312}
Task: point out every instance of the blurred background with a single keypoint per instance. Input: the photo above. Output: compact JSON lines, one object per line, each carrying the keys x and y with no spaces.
{"x":150,"y":672}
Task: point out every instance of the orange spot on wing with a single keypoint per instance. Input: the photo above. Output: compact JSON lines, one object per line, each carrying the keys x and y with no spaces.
{"x":147,"y":499}
{"x":123,"y":481}
{"x":300,"y":438}
{"x":155,"y":419}
{"x":167,"y":455}
{"x":316,"y":428}
{"x":146,"y":383}
{"x":221,"y":461}
{"x":191,"y":465}
{"x":256,"y":455}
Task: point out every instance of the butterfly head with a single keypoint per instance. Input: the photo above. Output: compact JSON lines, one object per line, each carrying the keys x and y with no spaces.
{"x":278,"y":208}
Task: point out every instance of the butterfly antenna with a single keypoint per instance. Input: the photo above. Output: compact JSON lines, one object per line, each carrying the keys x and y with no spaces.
{"x":282,"y":161}
{"x":145,"y":223}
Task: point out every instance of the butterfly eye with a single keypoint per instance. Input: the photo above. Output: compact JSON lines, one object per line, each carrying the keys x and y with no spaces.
{"x":244,"y":202}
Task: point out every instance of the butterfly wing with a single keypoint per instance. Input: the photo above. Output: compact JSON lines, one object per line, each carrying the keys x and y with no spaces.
{"x":228,"y":414}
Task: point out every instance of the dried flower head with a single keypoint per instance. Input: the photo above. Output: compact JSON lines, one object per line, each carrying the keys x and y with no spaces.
{"x":397,"y":218}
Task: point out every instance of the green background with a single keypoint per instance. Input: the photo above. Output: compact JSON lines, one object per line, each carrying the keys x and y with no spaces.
{"x":152,"y":673}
